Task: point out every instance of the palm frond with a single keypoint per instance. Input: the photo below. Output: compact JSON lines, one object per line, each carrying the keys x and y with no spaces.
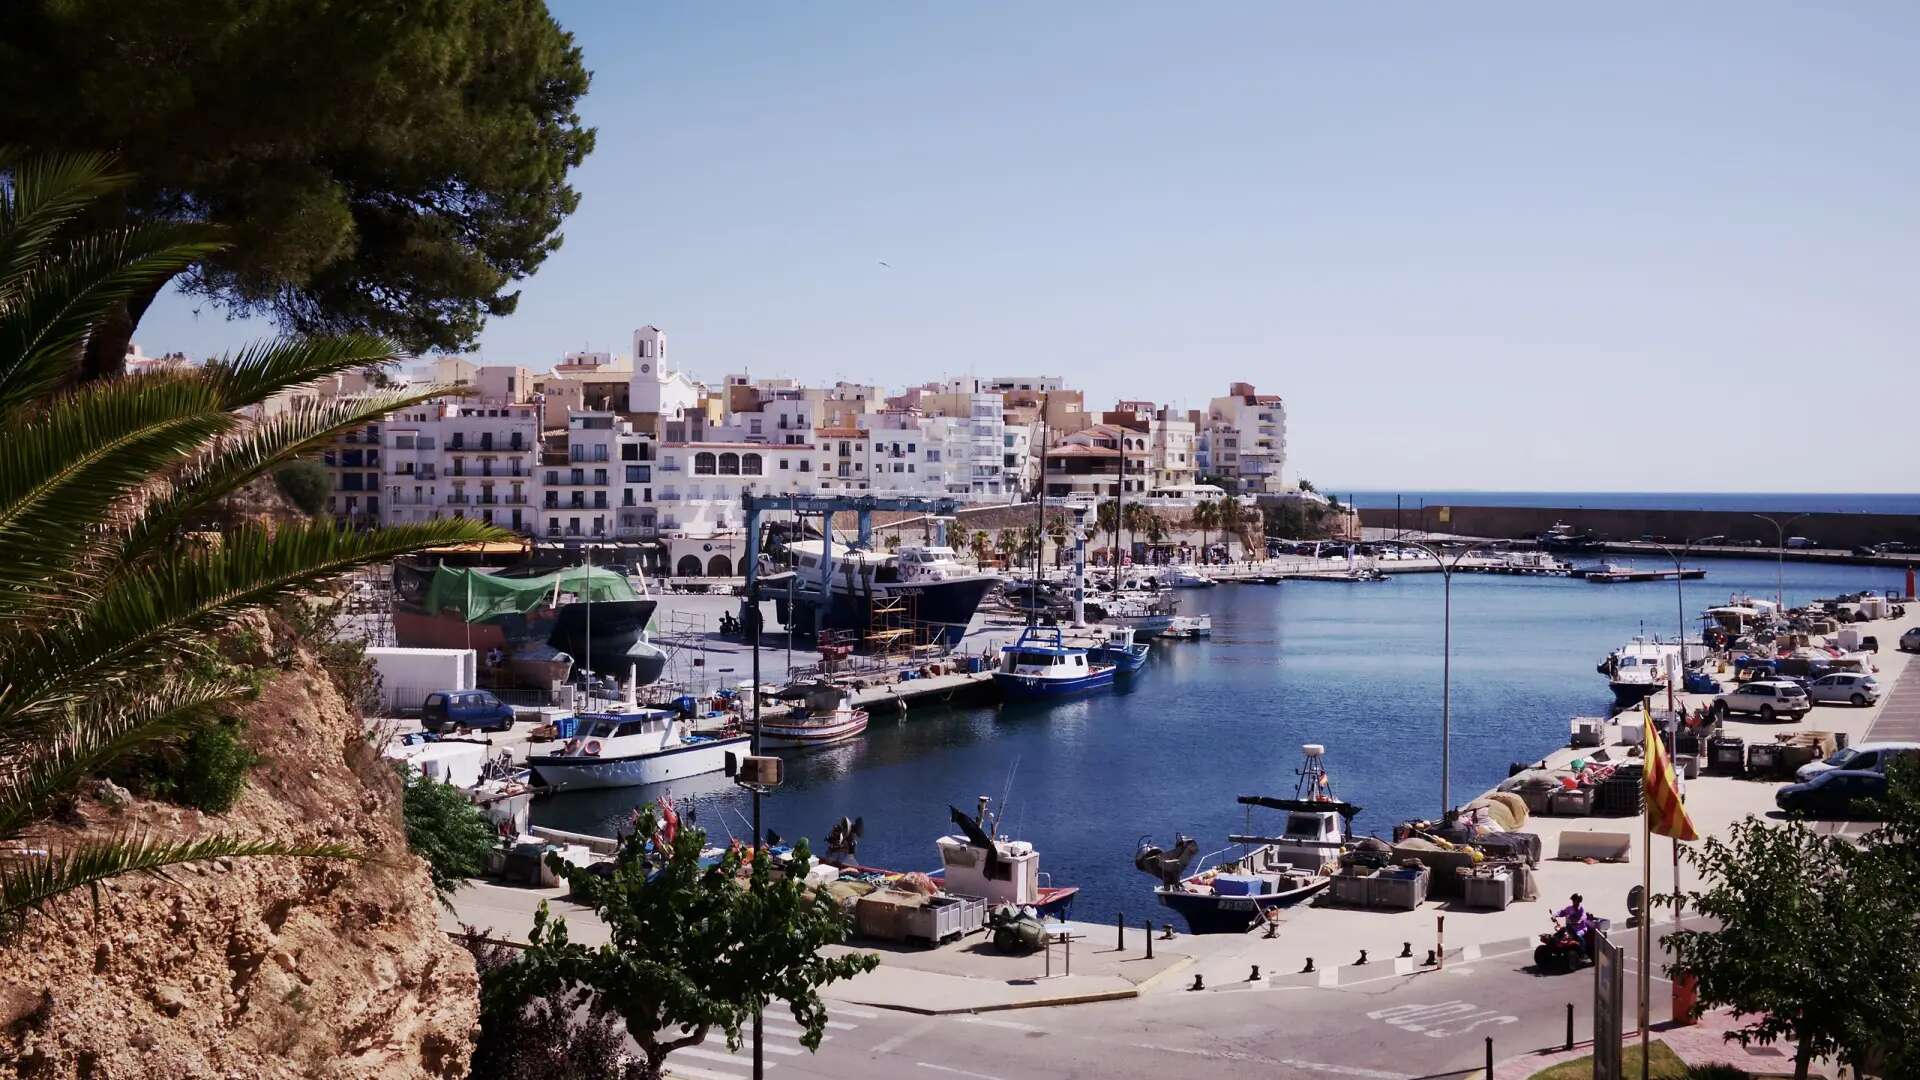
{"x":64,"y":469}
{"x":47,"y":762}
{"x":41,"y":195}
{"x":29,"y":883}
{"x":52,"y":312}
{"x":135,"y":622}
{"x":250,"y":453}
{"x":270,"y":367}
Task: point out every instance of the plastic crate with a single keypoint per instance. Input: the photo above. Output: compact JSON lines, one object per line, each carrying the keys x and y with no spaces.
{"x":1397,"y":889}
{"x":1488,"y":891}
{"x":1351,"y":889}
{"x":1727,"y":753}
{"x":1575,"y":803}
{"x":944,"y":917}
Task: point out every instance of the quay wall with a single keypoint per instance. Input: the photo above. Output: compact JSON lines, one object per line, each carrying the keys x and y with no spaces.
{"x":1517,"y":522}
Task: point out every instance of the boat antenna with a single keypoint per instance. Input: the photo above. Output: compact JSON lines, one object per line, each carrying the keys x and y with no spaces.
{"x":1040,"y":527}
{"x":1006,"y":794}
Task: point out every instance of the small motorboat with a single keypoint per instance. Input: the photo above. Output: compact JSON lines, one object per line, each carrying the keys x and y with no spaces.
{"x":976,"y":862}
{"x":1260,"y":875}
{"x":1117,"y":646}
{"x":1187,"y":577}
{"x":1190,"y":626}
{"x":1040,"y":664}
{"x":822,"y":714}
{"x":627,"y":747}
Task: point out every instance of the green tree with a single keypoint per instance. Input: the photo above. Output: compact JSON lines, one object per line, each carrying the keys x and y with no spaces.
{"x":1106,"y":519}
{"x":1795,"y":912}
{"x":691,"y":947}
{"x":447,"y":830}
{"x":1206,"y":517}
{"x":305,"y":484}
{"x":382,"y":168}
{"x":106,"y":603}
{"x":1233,"y":516}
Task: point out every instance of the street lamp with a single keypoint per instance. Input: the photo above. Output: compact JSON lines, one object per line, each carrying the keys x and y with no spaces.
{"x":1780,"y":570}
{"x":1680,"y":604}
{"x":1446,"y":668}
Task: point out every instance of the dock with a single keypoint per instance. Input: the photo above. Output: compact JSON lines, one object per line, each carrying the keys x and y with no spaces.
{"x":1614,"y":576}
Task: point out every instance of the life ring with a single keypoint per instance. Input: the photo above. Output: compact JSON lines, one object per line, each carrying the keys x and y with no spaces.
{"x":592,"y":749}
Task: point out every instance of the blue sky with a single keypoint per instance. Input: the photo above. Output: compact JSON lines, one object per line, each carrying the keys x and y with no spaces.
{"x":1519,"y":246}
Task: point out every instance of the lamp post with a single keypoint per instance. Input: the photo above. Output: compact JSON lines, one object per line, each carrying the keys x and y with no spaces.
{"x":1680,"y":602}
{"x":1446,"y":668}
{"x":1780,"y":569}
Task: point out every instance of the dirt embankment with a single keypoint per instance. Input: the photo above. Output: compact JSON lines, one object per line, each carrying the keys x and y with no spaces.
{"x":251,"y":967}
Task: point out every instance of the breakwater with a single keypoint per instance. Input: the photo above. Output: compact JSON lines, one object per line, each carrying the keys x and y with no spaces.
{"x":1832,"y":530}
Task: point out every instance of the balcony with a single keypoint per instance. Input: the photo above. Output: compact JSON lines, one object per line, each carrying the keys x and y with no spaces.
{"x":667,"y":496}
{"x":459,"y":500}
{"x":635,"y":532}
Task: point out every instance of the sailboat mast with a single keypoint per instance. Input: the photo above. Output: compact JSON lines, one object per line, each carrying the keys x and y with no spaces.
{"x":1040,"y":528}
{"x":589,"y":598}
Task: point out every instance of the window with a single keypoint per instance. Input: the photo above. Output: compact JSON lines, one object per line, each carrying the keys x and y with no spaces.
{"x":639,"y":474}
{"x":600,"y":477}
{"x":750,"y":465}
{"x":577,"y":476}
{"x":729,"y":464}
{"x":703,"y":463}
{"x":600,"y":452}
{"x":553,"y":477}
{"x":783,"y":464}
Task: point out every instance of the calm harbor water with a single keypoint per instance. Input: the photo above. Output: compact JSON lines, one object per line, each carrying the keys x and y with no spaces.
{"x":1353,"y":666}
{"x":1788,"y":502}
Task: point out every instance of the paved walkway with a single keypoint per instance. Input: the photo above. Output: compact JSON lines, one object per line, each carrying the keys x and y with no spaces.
{"x":1899,"y":719}
{"x":1699,"y":1044}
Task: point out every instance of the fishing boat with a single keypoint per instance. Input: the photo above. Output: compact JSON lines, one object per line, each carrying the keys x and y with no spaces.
{"x":1644,"y":666}
{"x":978,"y":861}
{"x":822,"y":714}
{"x":1117,"y":645}
{"x":1147,"y":614}
{"x":1257,"y":876}
{"x":627,"y":747}
{"x":1040,"y":664}
{"x":1190,"y":626}
{"x":942,"y":592}
{"x":528,"y":629}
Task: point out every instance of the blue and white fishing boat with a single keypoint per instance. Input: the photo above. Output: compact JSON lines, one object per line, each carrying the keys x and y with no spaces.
{"x":1042,"y":665}
{"x":1118,"y":647}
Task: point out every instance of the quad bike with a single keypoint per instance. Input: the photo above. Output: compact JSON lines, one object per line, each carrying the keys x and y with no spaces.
{"x":1564,"y":951}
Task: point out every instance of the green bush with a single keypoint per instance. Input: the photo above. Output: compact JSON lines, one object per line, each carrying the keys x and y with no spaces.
{"x":450,"y":833}
{"x":213,"y":768}
{"x":305,"y":484}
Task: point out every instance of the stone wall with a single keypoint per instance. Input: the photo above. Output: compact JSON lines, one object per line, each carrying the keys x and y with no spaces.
{"x":1830,"y":530}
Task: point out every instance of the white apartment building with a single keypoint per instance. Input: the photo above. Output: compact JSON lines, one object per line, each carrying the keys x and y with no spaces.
{"x":1019,"y":464}
{"x":1088,"y":464}
{"x":460,"y":459}
{"x":698,"y":485}
{"x":596,"y":481}
{"x":1246,"y":438}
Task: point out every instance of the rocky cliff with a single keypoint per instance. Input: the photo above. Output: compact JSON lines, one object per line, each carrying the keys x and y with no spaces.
{"x":250,"y":967}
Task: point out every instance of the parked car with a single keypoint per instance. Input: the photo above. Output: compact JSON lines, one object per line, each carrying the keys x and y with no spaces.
{"x":1869,"y":643}
{"x":1802,"y":542}
{"x":1866,"y":549}
{"x":1867,"y":757}
{"x":1899,"y":547}
{"x":1765,"y":698}
{"x":1910,"y":641}
{"x":1836,"y":793}
{"x":1847,"y":686}
{"x":476,"y":710}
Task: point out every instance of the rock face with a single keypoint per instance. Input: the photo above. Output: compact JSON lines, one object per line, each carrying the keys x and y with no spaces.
{"x":264,"y":967}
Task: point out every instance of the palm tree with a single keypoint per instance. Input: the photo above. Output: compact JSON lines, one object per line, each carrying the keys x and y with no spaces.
{"x":1106,"y":519}
{"x":1232,"y":516}
{"x":106,"y":598}
{"x":1206,"y":516}
{"x":982,"y":546}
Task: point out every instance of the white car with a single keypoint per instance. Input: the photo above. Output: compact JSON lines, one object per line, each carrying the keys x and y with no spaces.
{"x":1765,"y":698}
{"x":1867,"y":757}
{"x":1847,"y":686}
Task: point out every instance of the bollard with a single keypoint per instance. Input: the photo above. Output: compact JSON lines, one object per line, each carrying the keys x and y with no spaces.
{"x":1199,"y":983}
{"x":1119,"y":932}
{"x":1440,"y":941}
{"x":1067,"y":937}
{"x":1489,"y":1057}
{"x":1166,"y":930}
{"x":1406,"y":950}
{"x":1148,"y":934}
{"x":1255,"y":976}
{"x":1433,"y":958}
{"x":1362,"y":962}
{"x":1308,"y":970}
{"x":1569,"y":1025}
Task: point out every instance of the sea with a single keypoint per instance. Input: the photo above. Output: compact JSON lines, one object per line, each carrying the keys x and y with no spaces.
{"x":1792,"y":502}
{"x":1354,"y":666}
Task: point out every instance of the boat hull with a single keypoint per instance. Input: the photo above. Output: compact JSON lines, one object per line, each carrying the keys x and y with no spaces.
{"x":1034,"y":688}
{"x":796,"y":736}
{"x":942,"y":609}
{"x":617,"y":625}
{"x":1209,"y":914}
{"x":1125,"y":661}
{"x":1633,"y":693}
{"x":577,"y":773}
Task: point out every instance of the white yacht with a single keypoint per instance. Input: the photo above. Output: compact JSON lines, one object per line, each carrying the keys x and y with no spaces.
{"x":944,"y":591}
{"x":1187,"y":577}
{"x":627,"y":747}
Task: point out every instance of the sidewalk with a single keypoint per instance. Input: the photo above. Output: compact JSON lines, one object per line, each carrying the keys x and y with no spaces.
{"x":1697,"y":1044}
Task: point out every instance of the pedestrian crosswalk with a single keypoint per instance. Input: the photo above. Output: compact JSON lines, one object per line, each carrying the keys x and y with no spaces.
{"x":711,"y":1060}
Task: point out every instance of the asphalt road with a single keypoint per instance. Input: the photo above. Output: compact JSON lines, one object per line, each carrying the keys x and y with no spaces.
{"x":1389,"y":1027}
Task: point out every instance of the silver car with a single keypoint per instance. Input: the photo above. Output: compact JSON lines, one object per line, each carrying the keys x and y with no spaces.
{"x":1867,"y":757}
{"x":1847,"y":686}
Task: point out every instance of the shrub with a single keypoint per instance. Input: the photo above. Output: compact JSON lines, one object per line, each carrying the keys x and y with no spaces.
{"x":450,"y":833}
{"x":543,"y":1036}
{"x":213,"y":768}
{"x":305,"y":484}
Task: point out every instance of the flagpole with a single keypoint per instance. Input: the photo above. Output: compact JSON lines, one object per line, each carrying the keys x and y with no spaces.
{"x":1649,"y":760}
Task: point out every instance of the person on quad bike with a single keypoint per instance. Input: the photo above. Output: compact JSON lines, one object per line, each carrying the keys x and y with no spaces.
{"x":1574,"y":916}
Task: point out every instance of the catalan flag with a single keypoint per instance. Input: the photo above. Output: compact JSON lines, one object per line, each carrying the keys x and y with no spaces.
{"x":1666,"y":814}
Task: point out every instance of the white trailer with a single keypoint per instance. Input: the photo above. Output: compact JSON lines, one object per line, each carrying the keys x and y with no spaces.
{"x":407,"y":676}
